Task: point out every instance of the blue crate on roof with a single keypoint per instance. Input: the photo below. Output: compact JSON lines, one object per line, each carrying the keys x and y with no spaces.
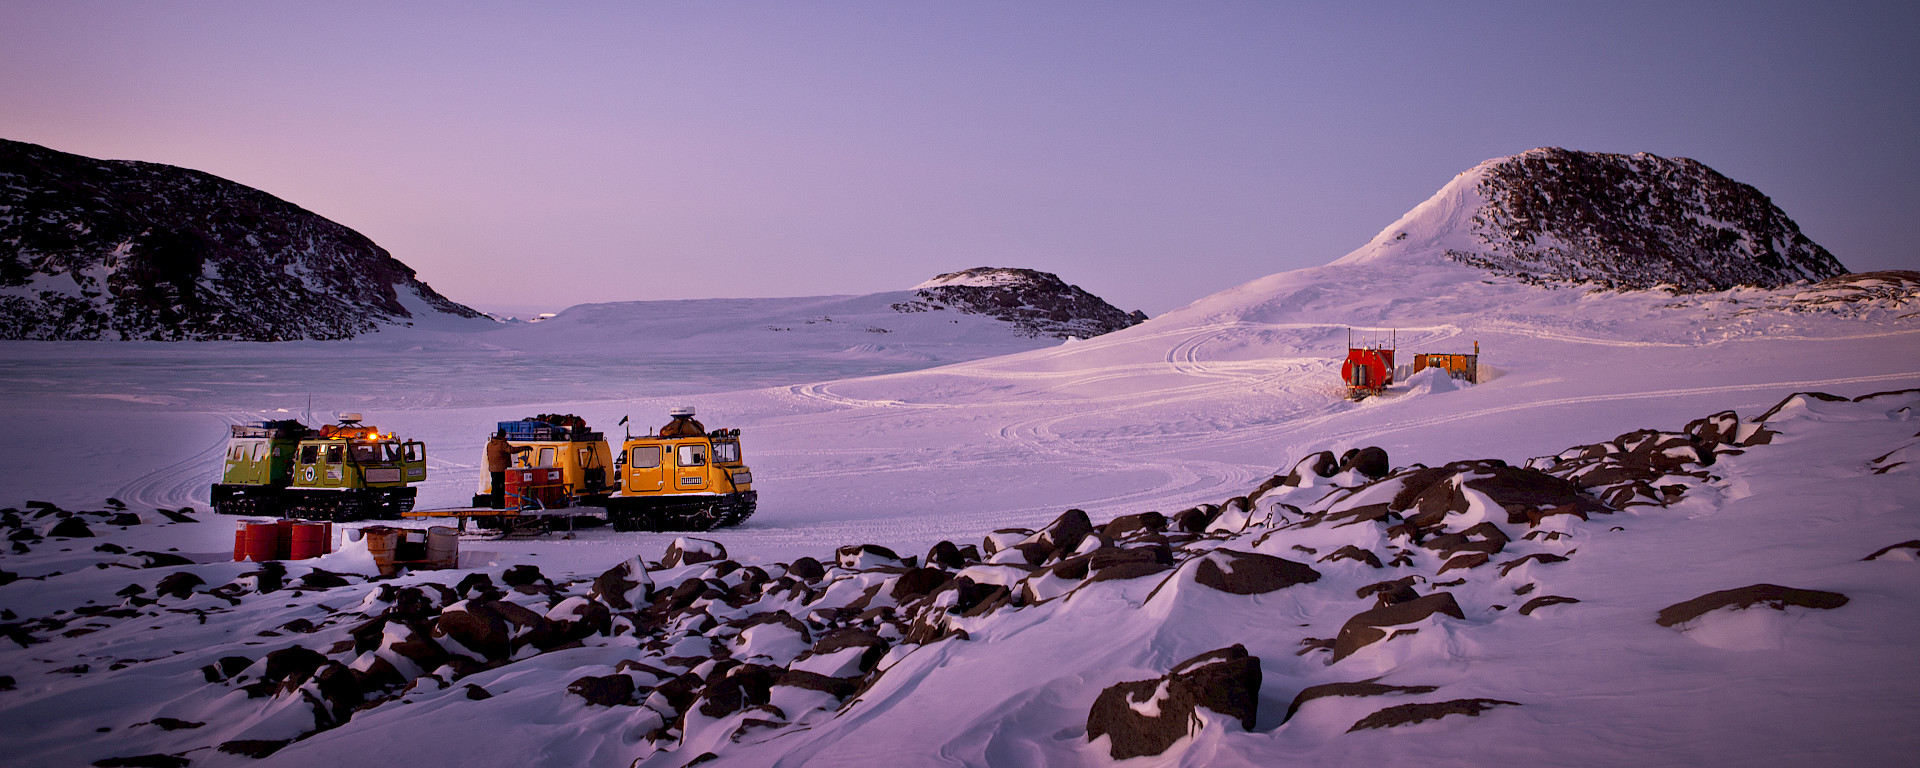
{"x":532,"y":430}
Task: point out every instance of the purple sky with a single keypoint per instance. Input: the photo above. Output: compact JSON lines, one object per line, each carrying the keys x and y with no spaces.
{"x":530,"y":157}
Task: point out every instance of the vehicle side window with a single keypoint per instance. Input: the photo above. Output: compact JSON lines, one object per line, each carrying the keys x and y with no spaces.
{"x":546,"y":457}
{"x":309,"y":454}
{"x":259,"y":451}
{"x":726,"y":453}
{"x":693,"y":455}
{"x":413,"y":452}
{"x":645,"y":457}
{"x":333,"y":454}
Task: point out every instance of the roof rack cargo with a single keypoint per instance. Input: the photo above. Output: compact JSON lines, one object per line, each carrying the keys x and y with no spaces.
{"x":284,"y":428}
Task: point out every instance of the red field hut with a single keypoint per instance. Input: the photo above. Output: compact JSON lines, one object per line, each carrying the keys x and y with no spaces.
{"x":1369,"y":367}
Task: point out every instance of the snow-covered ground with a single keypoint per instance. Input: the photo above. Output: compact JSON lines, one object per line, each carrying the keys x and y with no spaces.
{"x":857,"y":436}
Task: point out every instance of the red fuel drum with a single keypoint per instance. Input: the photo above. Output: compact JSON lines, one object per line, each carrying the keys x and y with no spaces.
{"x":309,"y":540}
{"x":263,"y":541}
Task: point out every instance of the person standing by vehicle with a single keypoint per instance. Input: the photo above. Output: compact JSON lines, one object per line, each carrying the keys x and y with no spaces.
{"x":499,"y":457}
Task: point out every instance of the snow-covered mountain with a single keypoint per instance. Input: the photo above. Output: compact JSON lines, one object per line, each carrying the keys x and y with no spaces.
{"x":1624,"y":221}
{"x":117,"y":249}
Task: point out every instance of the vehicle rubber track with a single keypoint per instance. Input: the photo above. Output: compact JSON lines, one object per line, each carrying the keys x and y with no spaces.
{"x":348,"y":506}
{"x":686,"y":513}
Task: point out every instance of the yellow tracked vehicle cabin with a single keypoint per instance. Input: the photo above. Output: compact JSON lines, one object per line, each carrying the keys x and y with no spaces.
{"x":683,"y":478}
{"x":561,"y":442}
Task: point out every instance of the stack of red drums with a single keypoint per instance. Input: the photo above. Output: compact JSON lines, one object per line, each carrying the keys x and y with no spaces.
{"x":260,"y":540}
{"x":538,"y":488}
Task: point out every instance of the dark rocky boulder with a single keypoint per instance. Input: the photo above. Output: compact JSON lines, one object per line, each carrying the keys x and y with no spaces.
{"x":177,"y":584}
{"x":689,"y":551}
{"x":624,"y":587}
{"x":946,"y":555}
{"x":1195,"y":519}
{"x":857,"y":556}
{"x":70,"y":528}
{"x":1362,"y":688}
{"x":1364,"y":628}
{"x":918,"y":582}
{"x":1145,"y":717}
{"x":1544,"y":601}
{"x":317,"y":579}
{"x":1370,"y":461}
{"x":1250,"y":573}
{"x":1770,"y":595}
{"x":854,"y":637}
{"x":1406,"y":714}
{"x":1913,"y":548}
{"x":838,"y":687}
{"x":1354,"y":553}
{"x":606,"y":691}
{"x":294,"y":664}
{"x":1126,"y":525}
{"x":1318,"y":465}
{"x":521,"y":576}
{"x":806,"y":569}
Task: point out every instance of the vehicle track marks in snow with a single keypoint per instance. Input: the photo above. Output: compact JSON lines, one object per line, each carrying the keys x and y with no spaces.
{"x":182,"y":483}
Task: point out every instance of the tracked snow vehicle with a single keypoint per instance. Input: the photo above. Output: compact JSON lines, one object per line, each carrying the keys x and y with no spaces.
{"x":576,"y":461}
{"x":343,"y":472}
{"x":683,"y":478}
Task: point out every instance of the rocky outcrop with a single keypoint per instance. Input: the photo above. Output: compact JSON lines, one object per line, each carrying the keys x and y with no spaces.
{"x":116,"y":249}
{"x":1634,"y":222}
{"x":1035,"y":303}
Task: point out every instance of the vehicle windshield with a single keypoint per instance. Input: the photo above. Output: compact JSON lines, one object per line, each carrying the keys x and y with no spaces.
{"x":726,"y":452}
{"x":370,"y":453}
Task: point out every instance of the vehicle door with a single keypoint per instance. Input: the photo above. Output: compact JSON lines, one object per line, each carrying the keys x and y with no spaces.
{"x":644,"y":471}
{"x":413,"y":457}
{"x":333,"y":465}
{"x":587,"y":474}
{"x":320,"y":465}
{"x":691,"y":460}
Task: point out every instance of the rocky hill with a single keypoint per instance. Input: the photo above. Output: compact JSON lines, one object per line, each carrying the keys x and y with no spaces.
{"x":116,"y":249}
{"x":1035,"y":303}
{"x":1619,"y":221}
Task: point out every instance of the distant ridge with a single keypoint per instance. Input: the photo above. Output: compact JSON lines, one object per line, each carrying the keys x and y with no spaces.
{"x":1618,"y":221}
{"x":1035,"y":303}
{"x":117,"y":249}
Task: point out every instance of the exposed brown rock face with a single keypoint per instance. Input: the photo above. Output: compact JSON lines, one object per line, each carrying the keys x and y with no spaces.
{"x":1635,"y":222}
{"x":162,"y":253}
{"x":1035,"y":303}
